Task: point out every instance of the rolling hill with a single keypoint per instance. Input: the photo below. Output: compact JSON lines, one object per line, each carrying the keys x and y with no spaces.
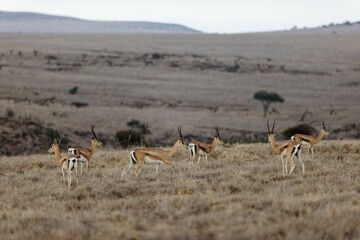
{"x":26,"y":22}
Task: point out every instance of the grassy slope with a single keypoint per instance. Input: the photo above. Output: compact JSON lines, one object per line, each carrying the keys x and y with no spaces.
{"x":185,"y":87}
{"x":240,"y":194}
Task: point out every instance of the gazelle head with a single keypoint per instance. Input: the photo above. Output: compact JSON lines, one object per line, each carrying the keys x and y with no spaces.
{"x":324,"y":131}
{"x":54,"y":144}
{"x":94,"y":140}
{"x":217,"y":138}
{"x":180,"y":142}
{"x":271,"y":133}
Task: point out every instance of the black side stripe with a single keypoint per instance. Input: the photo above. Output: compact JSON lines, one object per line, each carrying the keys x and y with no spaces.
{"x":132,"y":157}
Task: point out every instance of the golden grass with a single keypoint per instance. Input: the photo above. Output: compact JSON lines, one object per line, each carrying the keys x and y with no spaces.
{"x":240,"y":194}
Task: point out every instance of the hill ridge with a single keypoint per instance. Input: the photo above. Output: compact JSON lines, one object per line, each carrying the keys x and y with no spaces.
{"x":30,"y":22}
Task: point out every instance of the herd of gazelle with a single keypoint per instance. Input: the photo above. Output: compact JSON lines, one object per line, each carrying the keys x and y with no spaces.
{"x":138,"y":157}
{"x":290,"y":148}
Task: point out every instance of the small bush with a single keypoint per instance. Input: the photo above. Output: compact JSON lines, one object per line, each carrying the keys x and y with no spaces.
{"x":74,"y":90}
{"x":128,"y":137}
{"x":301,"y":128}
{"x":156,"y":56}
{"x":79,"y":104}
{"x":10,"y":113}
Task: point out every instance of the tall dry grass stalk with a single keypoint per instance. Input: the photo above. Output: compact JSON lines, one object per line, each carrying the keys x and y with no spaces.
{"x":240,"y":194}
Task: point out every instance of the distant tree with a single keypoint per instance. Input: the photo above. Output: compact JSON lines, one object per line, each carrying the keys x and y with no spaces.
{"x":266,"y":98}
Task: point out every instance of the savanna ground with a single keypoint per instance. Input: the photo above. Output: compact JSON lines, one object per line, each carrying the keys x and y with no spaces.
{"x":195,"y":80}
{"x":240,"y":194}
{"x":198,"y":81}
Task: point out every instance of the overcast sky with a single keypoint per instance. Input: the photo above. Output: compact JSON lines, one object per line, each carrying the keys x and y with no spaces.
{"x":225,"y":16}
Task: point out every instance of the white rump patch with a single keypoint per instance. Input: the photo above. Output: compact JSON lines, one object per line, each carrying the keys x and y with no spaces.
{"x":71,"y":151}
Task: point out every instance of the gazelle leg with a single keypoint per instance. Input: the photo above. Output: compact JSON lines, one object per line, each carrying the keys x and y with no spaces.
{"x":81,"y":168}
{"x":77,"y":181}
{"x":283,"y":165}
{"x":157,"y":169}
{"x":138,"y":168}
{"x":63,"y":173}
{"x":127,"y":168}
{"x":199,"y":157}
{"x":171,"y":165}
{"x":292,"y":165}
{"x":312,"y":152}
{"x":69,"y":179}
{"x":76,"y":168}
{"x":302,"y":163}
{"x":87,"y":166}
{"x":76,"y":172}
{"x":207,"y":162}
{"x":193,"y":158}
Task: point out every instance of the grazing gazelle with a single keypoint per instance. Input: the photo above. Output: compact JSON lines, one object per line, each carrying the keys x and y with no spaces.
{"x":286,"y":149}
{"x":200,"y":149}
{"x":311,"y":140}
{"x":67,"y":162}
{"x":141,"y":156}
{"x":85,"y":154}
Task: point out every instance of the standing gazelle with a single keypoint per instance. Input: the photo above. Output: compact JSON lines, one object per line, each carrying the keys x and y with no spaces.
{"x":141,"y":156}
{"x":85,"y":154}
{"x":311,"y":140}
{"x":67,"y":162}
{"x":286,"y":149}
{"x":200,"y":149}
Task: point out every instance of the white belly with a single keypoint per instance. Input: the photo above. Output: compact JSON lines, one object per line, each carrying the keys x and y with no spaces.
{"x":148,"y":160}
{"x":202,"y":153}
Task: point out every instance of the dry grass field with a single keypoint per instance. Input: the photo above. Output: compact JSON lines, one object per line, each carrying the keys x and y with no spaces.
{"x":240,"y":194}
{"x":198,"y":81}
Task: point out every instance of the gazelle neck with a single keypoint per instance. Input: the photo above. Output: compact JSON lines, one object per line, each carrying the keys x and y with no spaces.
{"x":92,"y":148}
{"x":273,"y":143}
{"x":57,"y":153}
{"x":172,"y":150}
{"x":213,"y":145}
{"x":319,"y":137}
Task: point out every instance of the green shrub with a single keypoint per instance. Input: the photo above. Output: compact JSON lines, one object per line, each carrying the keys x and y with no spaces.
{"x":301,"y":128}
{"x":128,"y":137}
{"x":74,"y":90}
{"x":79,"y":104}
{"x":10,"y":113}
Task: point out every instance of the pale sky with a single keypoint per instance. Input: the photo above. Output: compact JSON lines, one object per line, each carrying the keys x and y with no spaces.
{"x":225,"y":16}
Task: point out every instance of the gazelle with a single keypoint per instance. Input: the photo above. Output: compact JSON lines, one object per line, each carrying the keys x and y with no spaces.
{"x":286,"y":149}
{"x":86,"y":154}
{"x":67,"y":162}
{"x":311,"y":140}
{"x":200,"y":149}
{"x":141,"y":156}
